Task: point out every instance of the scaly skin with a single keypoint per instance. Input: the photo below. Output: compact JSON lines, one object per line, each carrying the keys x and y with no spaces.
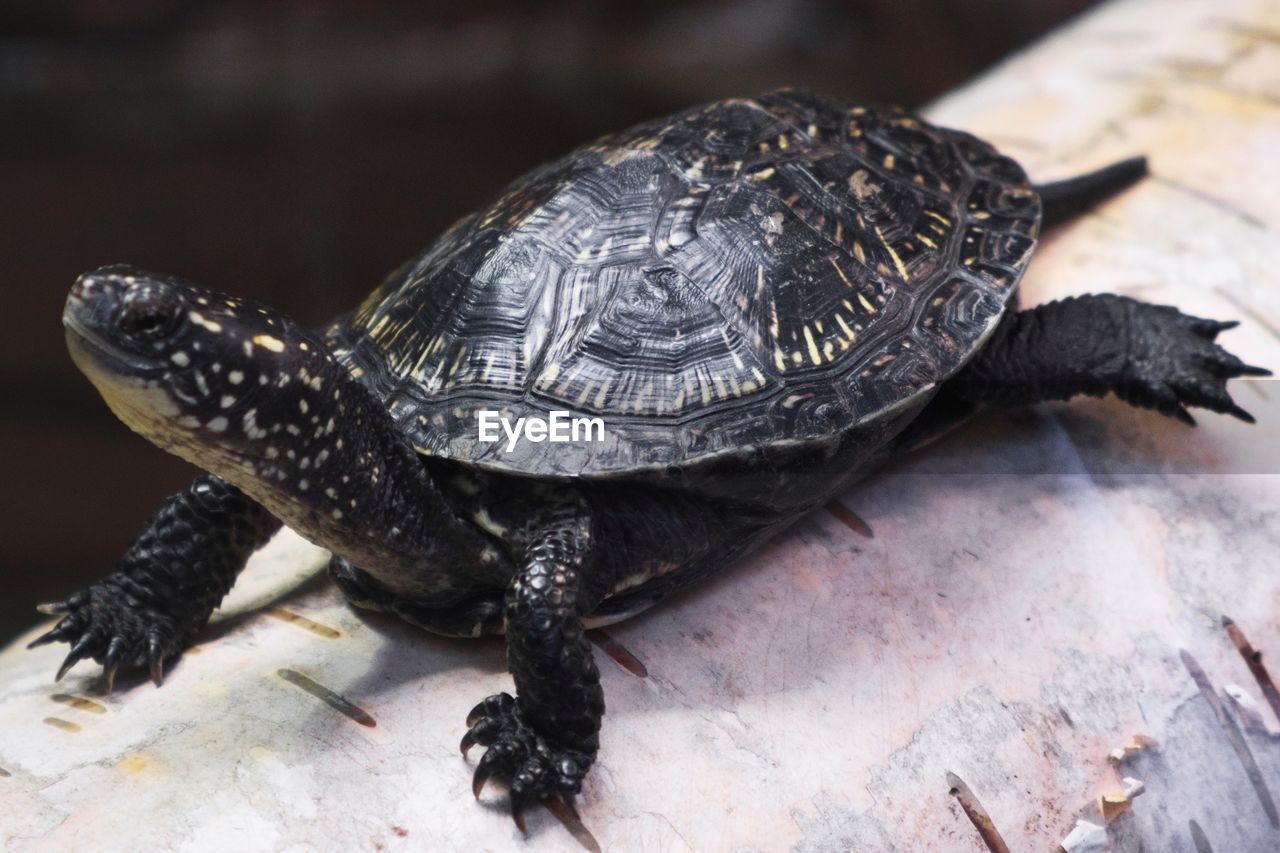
{"x":545,"y":740}
{"x":1151,"y":356}
{"x":167,"y":584}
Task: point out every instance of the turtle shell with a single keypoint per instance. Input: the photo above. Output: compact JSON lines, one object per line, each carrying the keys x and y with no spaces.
{"x":742,"y":274}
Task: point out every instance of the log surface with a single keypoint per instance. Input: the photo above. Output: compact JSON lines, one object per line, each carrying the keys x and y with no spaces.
{"x":1040,"y":590}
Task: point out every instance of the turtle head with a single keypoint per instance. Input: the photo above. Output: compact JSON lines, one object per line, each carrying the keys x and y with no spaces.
{"x":246,"y":394}
{"x":197,"y":372}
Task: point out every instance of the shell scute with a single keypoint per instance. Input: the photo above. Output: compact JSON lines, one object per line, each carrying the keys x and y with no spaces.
{"x":743,"y":273}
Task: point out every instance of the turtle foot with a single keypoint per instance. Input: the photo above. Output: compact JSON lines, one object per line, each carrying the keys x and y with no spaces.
{"x":535,"y":768}
{"x":109,"y":623}
{"x":1179,"y":364}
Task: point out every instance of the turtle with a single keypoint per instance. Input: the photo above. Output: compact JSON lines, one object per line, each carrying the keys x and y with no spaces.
{"x":746,"y":306}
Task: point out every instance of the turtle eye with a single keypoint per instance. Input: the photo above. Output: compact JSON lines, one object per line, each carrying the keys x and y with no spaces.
{"x":149,"y":317}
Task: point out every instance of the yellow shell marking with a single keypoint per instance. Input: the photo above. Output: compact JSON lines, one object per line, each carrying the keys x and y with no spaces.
{"x":897,"y":261}
{"x":417,"y":367}
{"x":814,"y":356}
{"x":706,"y":393}
{"x":840,"y":272}
{"x":728,"y":345}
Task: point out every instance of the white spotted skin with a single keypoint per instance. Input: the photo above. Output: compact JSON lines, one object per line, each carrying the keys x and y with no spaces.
{"x":200,"y":320}
{"x":280,"y":419}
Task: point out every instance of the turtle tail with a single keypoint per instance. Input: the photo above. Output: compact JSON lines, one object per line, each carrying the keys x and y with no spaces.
{"x":1066,"y":199}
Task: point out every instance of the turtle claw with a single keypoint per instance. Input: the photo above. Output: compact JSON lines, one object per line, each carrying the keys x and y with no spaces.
{"x":54,"y":608}
{"x":489,"y":766}
{"x":1178,"y":364}
{"x":563,"y":810}
{"x":1209,"y":329}
{"x":107,"y":623}
{"x":109,"y":677}
{"x":111,"y":663}
{"x":484,"y":730}
{"x":517,"y":811}
{"x":56,"y":634}
{"x":78,"y":652}
{"x":156,"y":661}
{"x":479,"y":780}
{"x":1237,"y":412}
{"x":536,"y":769}
{"x":492,"y":706}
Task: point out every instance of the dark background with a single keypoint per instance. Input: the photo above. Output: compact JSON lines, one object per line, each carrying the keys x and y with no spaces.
{"x":297,"y":151}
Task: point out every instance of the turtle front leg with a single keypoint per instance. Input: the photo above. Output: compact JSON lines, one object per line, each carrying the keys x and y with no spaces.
{"x":1151,"y":356}
{"x":544,"y":740}
{"x":166,"y":585}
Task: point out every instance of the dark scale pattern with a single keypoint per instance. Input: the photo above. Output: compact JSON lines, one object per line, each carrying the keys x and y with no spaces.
{"x":729,"y":275}
{"x":545,"y":741}
{"x":1152,"y":356}
{"x":167,"y":584}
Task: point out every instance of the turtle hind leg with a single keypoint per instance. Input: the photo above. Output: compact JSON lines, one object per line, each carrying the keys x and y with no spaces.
{"x":1152,"y":356}
{"x":1066,"y":199}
